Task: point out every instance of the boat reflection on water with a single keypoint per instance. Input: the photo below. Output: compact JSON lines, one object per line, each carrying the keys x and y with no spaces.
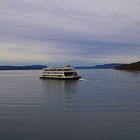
{"x":59,"y":94}
{"x":59,"y":86}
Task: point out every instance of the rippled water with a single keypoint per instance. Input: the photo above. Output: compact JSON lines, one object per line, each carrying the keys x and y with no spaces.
{"x":103,"y":105}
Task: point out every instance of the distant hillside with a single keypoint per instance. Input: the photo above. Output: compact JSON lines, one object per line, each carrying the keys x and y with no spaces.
{"x":105,"y":66}
{"x":38,"y":67}
{"x":32,"y":67}
{"x":131,"y":66}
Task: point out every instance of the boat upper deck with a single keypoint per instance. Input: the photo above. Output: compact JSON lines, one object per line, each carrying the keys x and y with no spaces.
{"x":59,"y":69}
{"x":65,"y":68}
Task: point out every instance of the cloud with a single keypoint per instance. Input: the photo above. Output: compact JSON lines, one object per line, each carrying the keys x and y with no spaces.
{"x":57,"y":29}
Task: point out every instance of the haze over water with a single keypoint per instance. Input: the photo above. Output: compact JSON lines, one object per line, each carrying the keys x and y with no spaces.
{"x":103,"y":105}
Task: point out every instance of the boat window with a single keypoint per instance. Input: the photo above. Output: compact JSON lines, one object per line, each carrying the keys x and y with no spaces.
{"x":59,"y":69}
{"x":70,"y":74}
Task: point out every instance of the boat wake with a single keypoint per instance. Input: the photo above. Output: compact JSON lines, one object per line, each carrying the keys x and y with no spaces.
{"x":91,"y":80}
{"x":81,"y":79}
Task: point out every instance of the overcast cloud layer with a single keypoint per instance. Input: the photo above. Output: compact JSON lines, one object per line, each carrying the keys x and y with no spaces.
{"x":80,"y":32}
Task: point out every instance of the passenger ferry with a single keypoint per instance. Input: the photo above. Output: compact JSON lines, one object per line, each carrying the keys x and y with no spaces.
{"x":66,"y":72}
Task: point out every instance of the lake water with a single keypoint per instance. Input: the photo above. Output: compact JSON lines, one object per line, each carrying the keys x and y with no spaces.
{"x":103,"y":105}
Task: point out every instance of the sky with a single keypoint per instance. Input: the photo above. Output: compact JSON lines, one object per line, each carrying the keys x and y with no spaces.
{"x":79,"y":32}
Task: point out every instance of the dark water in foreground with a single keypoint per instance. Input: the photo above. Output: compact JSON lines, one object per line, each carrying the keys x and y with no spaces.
{"x":105,"y":105}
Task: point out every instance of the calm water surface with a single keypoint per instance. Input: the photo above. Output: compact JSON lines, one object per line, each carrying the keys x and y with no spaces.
{"x":104,"y":105}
